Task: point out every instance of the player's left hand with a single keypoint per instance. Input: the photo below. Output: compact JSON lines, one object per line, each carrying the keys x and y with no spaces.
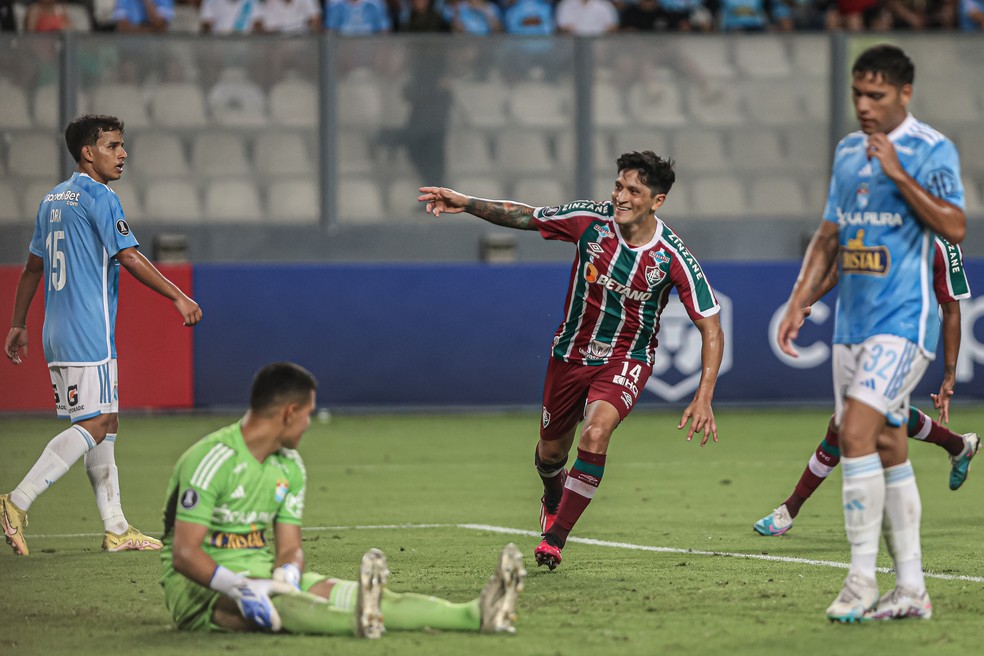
{"x":880,"y":147}
{"x":792,"y":320}
{"x":701,"y":416}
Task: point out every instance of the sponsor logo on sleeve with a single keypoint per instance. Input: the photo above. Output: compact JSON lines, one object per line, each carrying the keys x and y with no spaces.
{"x":122,"y":227}
{"x":189,"y":499}
{"x":942,"y":183}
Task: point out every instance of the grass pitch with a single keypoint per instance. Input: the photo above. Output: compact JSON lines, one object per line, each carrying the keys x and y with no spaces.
{"x":648,"y":585}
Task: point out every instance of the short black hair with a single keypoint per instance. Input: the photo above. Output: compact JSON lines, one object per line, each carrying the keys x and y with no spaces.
{"x":888,"y":61}
{"x":654,"y":171}
{"x":279,"y":383}
{"x":85,"y":131}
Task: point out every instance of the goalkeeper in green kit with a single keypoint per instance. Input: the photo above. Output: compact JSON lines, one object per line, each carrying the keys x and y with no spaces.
{"x":232,"y":552}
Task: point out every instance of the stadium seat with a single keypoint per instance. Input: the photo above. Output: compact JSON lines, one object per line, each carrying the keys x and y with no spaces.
{"x":187,"y":19}
{"x":808,"y":148}
{"x":677,"y":204}
{"x":173,"y":201}
{"x":773,"y":103}
{"x":294,"y":103}
{"x":540,"y":191}
{"x":541,"y":104}
{"x":468,"y":151}
{"x":359,"y":200}
{"x":46,"y":107}
{"x":14,"y":112}
{"x":656,"y":103}
{"x":601,"y":187}
{"x":154,"y":155}
{"x":608,"y":105}
{"x":972,"y":198}
{"x":943,"y":102}
{"x":628,"y":140}
{"x":757,"y":150}
{"x":777,"y":196}
{"x":32,"y":193}
{"x":293,"y":202}
{"x":762,"y":56}
{"x":811,"y":55}
{"x":34,"y":155}
{"x":970,"y":141}
{"x":601,"y":154}
{"x":233,"y":201}
{"x":710,"y":56}
{"x":282,"y":154}
{"x":817,"y":189}
{"x":522,"y":152}
{"x":480,"y":186}
{"x":352,"y":152}
{"x":178,"y":105}
{"x":129,"y":198}
{"x":217,"y":154}
{"x":359,"y":100}
{"x":401,"y":199}
{"x":480,"y":104}
{"x":10,"y":211}
{"x":816,"y":102}
{"x":719,"y":196}
{"x":699,"y":150}
{"x":718,"y":105}
{"x":236,"y":100}
{"x":123,"y":100}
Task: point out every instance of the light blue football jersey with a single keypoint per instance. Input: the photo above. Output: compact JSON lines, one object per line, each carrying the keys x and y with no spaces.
{"x":886,"y":263}
{"x":78,"y":232}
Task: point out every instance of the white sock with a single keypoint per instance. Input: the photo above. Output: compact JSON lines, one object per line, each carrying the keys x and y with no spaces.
{"x":903,"y":512}
{"x":864,"y":505}
{"x":56,"y":459}
{"x":100,"y":465}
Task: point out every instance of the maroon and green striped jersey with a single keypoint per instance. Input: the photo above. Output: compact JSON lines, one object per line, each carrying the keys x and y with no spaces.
{"x":617,"y":292}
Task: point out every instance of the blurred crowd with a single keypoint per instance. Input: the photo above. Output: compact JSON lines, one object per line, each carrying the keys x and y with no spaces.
{"x":483,"y":17}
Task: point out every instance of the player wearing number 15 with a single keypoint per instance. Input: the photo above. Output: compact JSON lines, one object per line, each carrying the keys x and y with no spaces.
{"x":627,"y":261}
{"x":80,"y":240}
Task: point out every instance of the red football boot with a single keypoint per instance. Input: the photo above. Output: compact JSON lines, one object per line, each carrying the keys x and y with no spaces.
{"x":547,"y":554}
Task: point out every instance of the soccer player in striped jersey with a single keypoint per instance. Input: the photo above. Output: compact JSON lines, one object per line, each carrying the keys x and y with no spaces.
{"x":233,"y":557}
{"x":626,"y":263}
{"x":895,"y":185}
{"x":81,"y":238}
{"x":950,"y":285}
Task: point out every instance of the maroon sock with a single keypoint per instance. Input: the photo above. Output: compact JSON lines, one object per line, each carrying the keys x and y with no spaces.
{"x":938,"y":434}
{"x":582,"y":483}
{"x":826,"y":456}
{"x":553,"y":477}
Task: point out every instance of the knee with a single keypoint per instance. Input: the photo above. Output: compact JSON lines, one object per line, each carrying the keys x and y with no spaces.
{"x":551,"y":452}
{"x":595,"y":438}
{"x":98,"y":427}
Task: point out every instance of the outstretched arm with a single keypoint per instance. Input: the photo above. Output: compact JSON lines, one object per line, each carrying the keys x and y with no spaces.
{"x":143,"y":270}
{"x":16,"y":343}
{"x":951,"y":349}
{"x":506,"y":213}
{"x":711,"y":352}
{"x":813,"y":277}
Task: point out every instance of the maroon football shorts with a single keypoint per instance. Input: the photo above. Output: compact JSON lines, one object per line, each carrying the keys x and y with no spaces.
{"x":570,"y":387}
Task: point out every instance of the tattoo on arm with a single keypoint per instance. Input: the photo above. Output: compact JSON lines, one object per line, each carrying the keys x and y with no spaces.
{"x":502,"y":212}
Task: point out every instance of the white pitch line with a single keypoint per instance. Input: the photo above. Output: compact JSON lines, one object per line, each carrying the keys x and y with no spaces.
{"x":595,"y":543}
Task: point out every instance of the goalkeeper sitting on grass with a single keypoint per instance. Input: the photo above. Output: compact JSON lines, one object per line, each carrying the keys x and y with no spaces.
{"x":244,"y":484}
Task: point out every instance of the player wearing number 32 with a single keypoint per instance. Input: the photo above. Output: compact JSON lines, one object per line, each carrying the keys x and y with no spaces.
{"x":80,"y":240}
{"x":895,"y":183}
{"x":627,"y":261}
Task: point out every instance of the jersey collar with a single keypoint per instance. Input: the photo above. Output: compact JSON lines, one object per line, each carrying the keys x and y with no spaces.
{"x":903,"y":128}
{"x":652,"y":242}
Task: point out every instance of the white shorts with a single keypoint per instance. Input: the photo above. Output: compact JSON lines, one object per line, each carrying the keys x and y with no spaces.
{"x":85,"y":392}
{"x":881,"y":372}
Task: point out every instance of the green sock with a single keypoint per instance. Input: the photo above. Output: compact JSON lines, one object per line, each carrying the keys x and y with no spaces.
{"x":407,"y":611}
{"x":302,"y":612}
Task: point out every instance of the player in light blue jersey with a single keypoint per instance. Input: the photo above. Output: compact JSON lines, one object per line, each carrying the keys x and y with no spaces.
{"x":895,"y":183}
{"x":81,"y":238}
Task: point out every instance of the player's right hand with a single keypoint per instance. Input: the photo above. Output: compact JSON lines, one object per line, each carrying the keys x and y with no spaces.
{"x":189,"y":310}
{"x":442,"y":199}
{"x":16,"y":344}
{"x":253,"y":598}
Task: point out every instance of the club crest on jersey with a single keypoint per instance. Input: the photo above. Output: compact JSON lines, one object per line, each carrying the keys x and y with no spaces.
{"x":864,"y":193}
{"x":546,"y":417}
{"x":597,"y":350}
{"x":654,"y":275}
{"x":281,"y":490}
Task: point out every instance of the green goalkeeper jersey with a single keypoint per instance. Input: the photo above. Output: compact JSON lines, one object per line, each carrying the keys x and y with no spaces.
{"x":219,"y":484}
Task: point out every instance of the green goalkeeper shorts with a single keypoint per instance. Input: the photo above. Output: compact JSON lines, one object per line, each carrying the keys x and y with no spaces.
{"x":191,"y":604}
